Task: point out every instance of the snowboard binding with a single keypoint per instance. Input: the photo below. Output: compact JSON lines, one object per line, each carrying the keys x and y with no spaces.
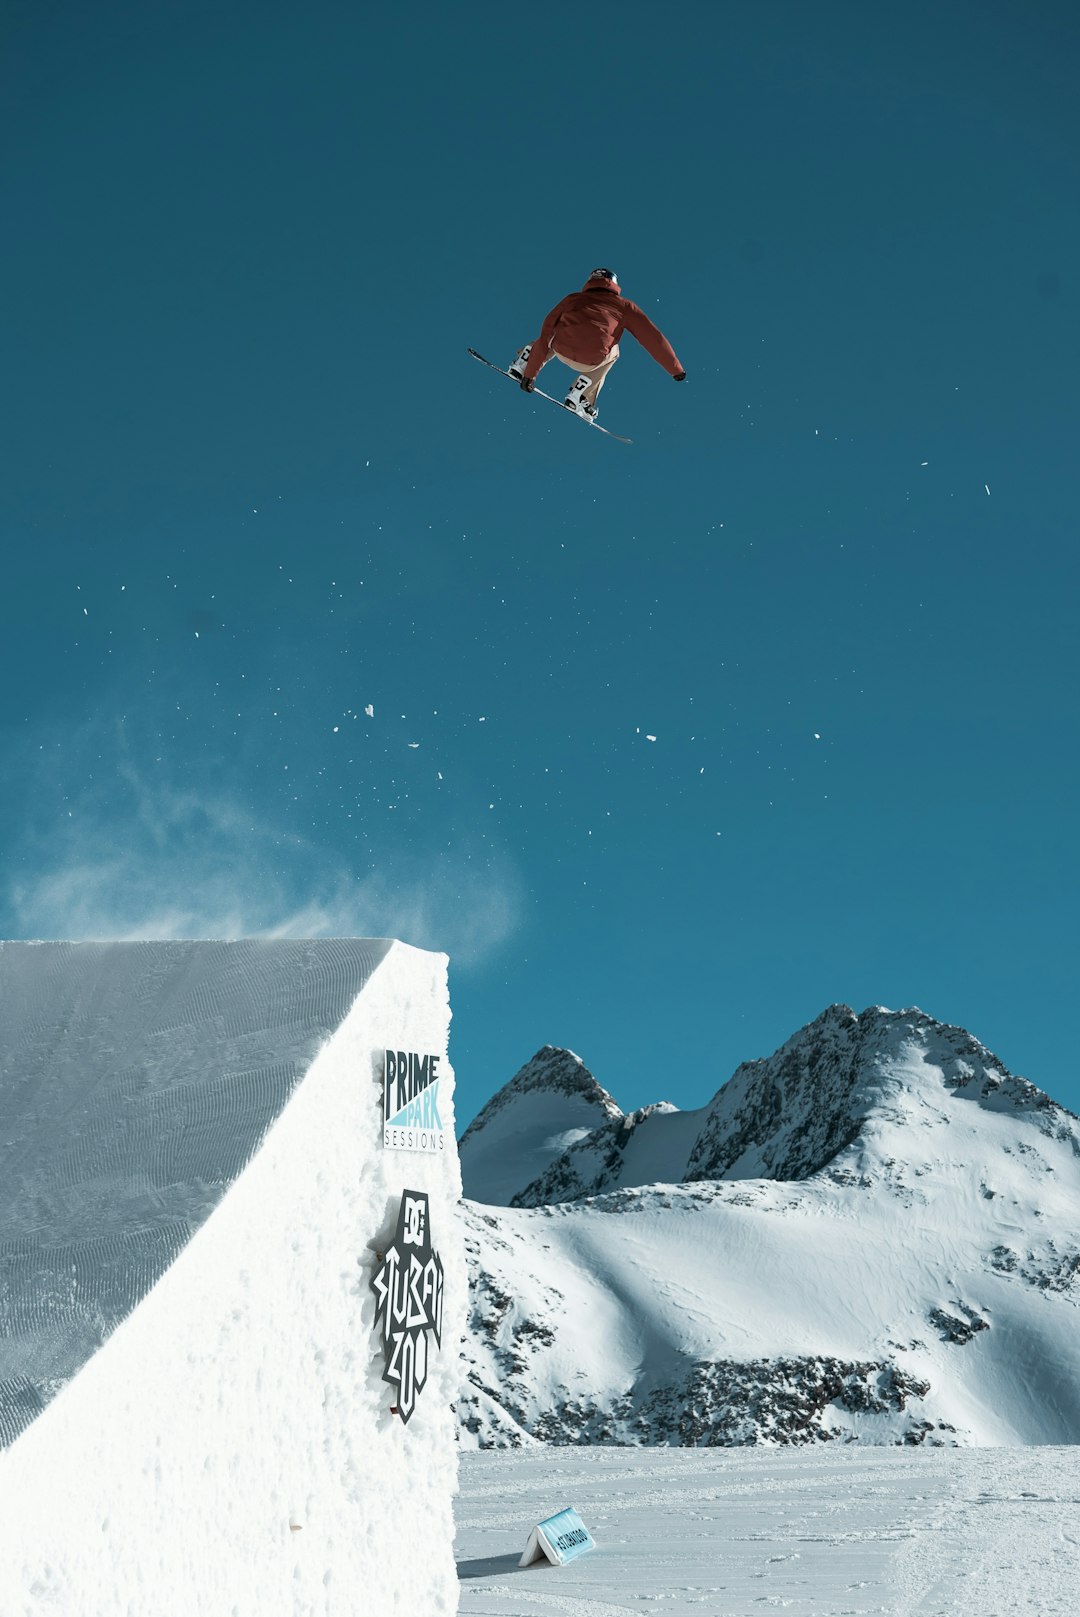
{"x":575,"y":399}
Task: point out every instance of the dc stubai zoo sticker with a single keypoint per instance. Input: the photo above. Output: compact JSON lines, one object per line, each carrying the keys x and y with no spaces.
{"x":408,"y":1287}
{"x":410,"y":1102}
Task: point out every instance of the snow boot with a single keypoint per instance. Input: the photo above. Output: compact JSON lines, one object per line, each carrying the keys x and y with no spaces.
{"x":517,"y":366}
{"x":574,"y":398}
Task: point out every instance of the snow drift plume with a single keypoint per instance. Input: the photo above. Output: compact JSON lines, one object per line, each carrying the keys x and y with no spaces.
{"x":150,"y":860}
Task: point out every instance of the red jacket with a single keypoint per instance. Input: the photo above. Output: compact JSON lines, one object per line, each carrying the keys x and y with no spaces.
{"x":585,"y":327}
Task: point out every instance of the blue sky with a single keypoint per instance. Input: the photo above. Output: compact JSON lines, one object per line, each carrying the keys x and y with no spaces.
{"x":254,"y":486}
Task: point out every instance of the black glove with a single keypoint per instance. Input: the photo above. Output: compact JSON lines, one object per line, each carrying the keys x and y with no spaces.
{"x":528,"y":383}
{"x":680,"y":376}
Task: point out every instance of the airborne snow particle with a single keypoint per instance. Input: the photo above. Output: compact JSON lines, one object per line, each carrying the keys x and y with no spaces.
{"x":650,"y":738}
{"x":412,"y":744}
{"x":986,"y":486}
{"x":816,"y":736}
{"x":336,"y":727}
{"x":370,"y":710}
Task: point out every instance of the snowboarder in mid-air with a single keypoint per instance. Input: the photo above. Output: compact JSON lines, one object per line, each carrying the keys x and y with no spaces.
{"x":583,"y":332}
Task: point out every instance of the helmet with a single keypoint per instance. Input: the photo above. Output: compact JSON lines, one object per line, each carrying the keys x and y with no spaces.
{"x":606,"y":276}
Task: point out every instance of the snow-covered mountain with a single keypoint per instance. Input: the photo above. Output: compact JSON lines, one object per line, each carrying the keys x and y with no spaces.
{"x":550,"y":1105}
{"x":873,"y":1234}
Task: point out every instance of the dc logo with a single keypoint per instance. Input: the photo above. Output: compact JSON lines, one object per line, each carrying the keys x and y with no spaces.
{"x":408,"y":1287}
{"x":414,"y":1222}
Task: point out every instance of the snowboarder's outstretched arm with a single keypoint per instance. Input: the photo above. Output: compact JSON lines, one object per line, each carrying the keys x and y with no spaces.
{"x":541,"y":348}
{"x":653,"y":341}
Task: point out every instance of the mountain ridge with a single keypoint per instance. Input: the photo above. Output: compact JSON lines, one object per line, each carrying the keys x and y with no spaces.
{"x":549,"y":1103}
{"x":785,"y":1117}
{"x":873,"y":1235}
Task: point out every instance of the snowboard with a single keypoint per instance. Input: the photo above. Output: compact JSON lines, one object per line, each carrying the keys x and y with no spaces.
{"x":552,"y":400}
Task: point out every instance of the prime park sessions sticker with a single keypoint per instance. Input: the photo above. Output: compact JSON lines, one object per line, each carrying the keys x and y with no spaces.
{"x":411,"y":1118}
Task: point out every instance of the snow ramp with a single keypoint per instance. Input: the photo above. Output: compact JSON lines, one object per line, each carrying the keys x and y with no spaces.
{"x":198,"y":1197}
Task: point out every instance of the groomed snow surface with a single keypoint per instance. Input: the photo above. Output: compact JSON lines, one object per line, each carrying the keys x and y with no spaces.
{"x":228,"y":1450}
{"x":836,"y":1530}
{"x":193,"y":1191}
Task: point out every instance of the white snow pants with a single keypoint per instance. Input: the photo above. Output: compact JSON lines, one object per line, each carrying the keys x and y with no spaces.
{"x":596,"y":373}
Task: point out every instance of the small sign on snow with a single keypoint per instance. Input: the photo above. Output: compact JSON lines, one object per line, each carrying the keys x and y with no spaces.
{"x":560,"y":1538}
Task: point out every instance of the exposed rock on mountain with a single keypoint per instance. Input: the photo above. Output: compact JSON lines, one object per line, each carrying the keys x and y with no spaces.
{"x":552,"y":1102}
{"x":872,"y":1235}
{"x":785,"y":1117}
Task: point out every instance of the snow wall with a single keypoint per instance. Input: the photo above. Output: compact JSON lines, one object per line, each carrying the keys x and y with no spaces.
{"x":199,"y":1225}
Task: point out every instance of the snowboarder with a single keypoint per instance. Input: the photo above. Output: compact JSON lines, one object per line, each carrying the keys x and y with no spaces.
{"x":583,"y":332}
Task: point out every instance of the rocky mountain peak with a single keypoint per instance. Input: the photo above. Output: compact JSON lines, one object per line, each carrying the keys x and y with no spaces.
{"x":868,"y":1084}
{"x":868,"y":1236}
{"x":548,"y":1105}
{"x":553,"y":1071}
{"x":845,"y":1078}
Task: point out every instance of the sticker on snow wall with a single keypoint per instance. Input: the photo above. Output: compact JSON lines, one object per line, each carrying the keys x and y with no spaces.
{"x":411,"y":1118}
{"x":561,"y":1538}
{"x":408,"y":1286}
